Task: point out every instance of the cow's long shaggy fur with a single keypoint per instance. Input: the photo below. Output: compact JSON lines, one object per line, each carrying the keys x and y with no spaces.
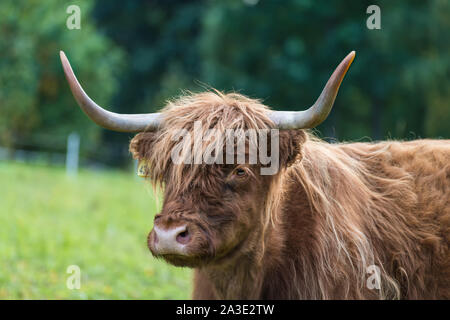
{"x":367,"y":211}
{"x":330,"y":215}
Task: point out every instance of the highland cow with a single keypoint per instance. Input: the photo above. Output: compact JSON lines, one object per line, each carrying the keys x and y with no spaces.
{"x":336,"y":221}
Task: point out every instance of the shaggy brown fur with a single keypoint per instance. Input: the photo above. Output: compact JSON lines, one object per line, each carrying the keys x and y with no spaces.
{"x":312,"y":230}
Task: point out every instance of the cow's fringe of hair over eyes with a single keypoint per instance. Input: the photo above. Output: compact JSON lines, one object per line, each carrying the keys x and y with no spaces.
{"x":213,"y":110}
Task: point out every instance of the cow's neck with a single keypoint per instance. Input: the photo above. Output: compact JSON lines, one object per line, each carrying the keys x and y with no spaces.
{"x":241,"y":277}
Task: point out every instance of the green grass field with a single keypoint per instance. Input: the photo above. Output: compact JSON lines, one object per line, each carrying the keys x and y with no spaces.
{"x":98,"y":221}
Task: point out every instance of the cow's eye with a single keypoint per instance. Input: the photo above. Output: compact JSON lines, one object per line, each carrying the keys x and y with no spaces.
{"x":240,"y":172}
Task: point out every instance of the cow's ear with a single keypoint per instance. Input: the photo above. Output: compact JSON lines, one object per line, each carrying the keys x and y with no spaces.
{"x":141,"y":145}
{"x":291,"y":142}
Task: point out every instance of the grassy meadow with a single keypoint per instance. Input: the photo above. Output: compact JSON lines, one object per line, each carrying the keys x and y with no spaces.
{"x":98,"y":221}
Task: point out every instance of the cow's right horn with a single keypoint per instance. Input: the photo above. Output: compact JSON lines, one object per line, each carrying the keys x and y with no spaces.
{"x":104,"y":118}
{"x":319,"y":111}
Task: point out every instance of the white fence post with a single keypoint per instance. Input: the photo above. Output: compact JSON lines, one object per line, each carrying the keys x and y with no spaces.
{"x":73,"y":148}
{"x":135,"y":168}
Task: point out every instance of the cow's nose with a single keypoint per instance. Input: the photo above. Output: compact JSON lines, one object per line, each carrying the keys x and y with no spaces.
{"x":171,"y":241}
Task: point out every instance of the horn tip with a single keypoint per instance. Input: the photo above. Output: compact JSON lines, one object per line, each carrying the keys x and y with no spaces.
{"x":63,"y":58}
{"x":351,"y":56}
{"x":348,"y":60}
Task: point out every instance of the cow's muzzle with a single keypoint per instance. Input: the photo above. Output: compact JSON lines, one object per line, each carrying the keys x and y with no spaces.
{"x":171,"y":241}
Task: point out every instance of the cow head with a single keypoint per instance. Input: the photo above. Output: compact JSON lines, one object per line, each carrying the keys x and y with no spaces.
{"x":210,"y":208}
{"x":218,"y":199}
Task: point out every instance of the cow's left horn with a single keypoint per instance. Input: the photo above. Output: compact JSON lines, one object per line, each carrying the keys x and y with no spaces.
{"x":319,"y":111}
{"x":104,"y":118}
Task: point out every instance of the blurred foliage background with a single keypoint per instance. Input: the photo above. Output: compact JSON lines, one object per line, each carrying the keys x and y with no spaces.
{"x":131,"y":56}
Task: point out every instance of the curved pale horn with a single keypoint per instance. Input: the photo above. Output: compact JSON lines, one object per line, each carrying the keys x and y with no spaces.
{"x":319,"y":111}
{"x":106,"y":119}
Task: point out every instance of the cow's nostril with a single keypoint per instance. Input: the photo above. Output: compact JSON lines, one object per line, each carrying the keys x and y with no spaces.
{"x":184,"y":237}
